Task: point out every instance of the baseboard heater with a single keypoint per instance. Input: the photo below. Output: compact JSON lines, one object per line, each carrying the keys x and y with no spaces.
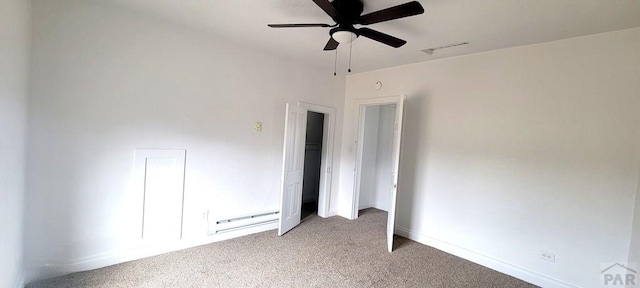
{"x":229,"y":225}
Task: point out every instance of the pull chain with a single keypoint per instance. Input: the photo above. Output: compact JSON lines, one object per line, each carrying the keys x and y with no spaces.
{"x":335,"y":64}
{"x":350,"y":48}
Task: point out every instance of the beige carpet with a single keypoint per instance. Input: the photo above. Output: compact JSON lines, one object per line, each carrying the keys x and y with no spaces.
{"x":320,"y":252}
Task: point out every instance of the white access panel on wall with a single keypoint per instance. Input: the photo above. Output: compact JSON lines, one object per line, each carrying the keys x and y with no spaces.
{"x":160,"y":182}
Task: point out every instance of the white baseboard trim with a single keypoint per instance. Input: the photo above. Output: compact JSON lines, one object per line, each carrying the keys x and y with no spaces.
{"x":51,"y":270}
{"x":366,"y":206}
{"x":486,"y":261}
{"x":329,"y":214}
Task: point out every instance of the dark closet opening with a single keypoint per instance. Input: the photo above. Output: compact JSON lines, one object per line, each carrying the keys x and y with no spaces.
{"x":312,"y":162}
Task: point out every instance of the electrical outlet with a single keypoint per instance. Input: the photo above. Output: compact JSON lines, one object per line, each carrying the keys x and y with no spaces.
{"x":548,"y":256}
{"x":205,"y":215}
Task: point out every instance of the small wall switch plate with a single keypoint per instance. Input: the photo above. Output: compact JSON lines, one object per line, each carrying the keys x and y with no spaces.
{"x":548,"y":256}
{"x":258,"y":127}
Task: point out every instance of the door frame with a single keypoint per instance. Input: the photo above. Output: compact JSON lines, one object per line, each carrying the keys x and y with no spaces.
{"x":362,"y":104}
{"x":326,"y":162}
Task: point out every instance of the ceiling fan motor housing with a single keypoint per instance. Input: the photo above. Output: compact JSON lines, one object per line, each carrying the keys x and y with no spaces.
{"x":347,"y":11}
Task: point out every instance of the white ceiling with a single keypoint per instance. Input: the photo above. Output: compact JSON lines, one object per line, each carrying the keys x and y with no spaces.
{"x":486,"y":24}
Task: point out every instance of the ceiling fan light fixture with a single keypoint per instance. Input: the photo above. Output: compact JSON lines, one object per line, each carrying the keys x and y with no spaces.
{"x":344,"y":37}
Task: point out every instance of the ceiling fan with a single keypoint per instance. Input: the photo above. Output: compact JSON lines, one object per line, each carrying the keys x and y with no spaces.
{"x":346,"y":14}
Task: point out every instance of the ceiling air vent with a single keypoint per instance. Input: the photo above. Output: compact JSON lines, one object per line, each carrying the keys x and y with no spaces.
{"x":431,"y":50}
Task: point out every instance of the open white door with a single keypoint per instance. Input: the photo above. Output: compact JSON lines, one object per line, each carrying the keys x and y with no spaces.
{"x":292,"y":167}
{"x":397,"y":138}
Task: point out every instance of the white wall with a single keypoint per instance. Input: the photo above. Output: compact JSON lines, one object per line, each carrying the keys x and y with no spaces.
{"x":367,"y":195}
{"x":14,"y":54}
{"x":512,"y":152}
{"x":107,"y":81}
{"x":376,"y":171}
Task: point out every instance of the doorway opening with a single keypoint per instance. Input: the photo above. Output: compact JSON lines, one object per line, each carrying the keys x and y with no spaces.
{"x":312,"y":164}
{"x":378,"y":157}
{"x":376,"y":173}
{"x":314,"y":172}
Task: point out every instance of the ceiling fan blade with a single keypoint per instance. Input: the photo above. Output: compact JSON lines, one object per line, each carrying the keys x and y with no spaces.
{"x":331,"y":45}
{"x":403,"y":10}
{"x":381,"y":37}
{"x":327,"y":7}
{"x":298,"y":25}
